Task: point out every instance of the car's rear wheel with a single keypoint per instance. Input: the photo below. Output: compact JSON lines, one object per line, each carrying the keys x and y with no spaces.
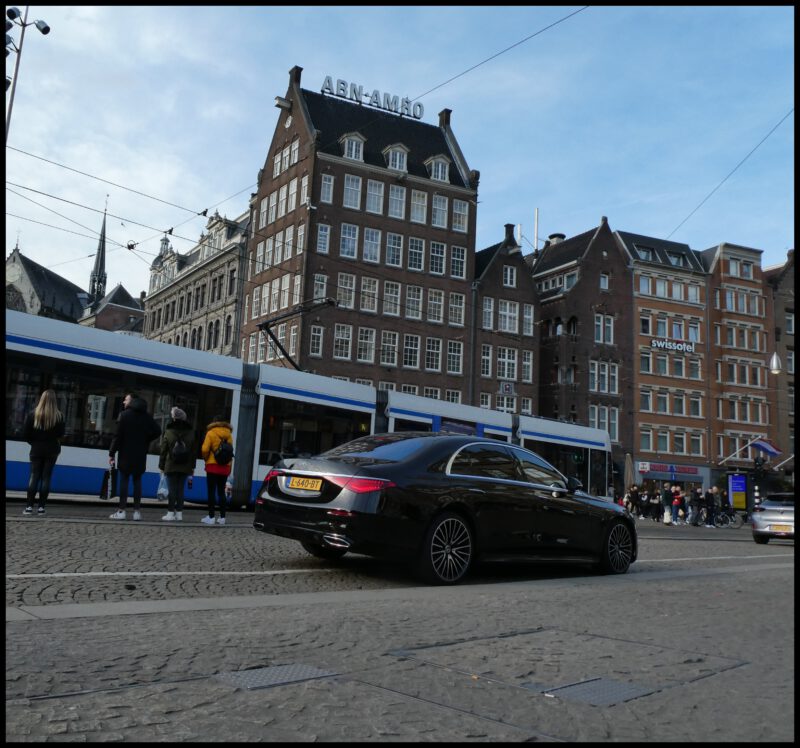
{"x":761,"y":539}
{"x":324,"y":551}
{"x":447,"y":550}
{"x":617,"y":549}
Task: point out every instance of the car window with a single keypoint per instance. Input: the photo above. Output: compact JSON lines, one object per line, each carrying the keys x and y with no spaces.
{"x":485,"y":460}
{"x":387,"y":447}
{"x":537,"y":470}
{"x":780,"y":499}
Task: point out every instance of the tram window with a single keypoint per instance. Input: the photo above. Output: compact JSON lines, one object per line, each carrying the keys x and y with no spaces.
{"x":401,"y":424}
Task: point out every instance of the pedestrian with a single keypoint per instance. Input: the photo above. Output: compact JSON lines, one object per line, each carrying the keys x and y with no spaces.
{"x":695,"y":502}
{"x":709,"y":502}
{"x":666,"y":503}
{"x":655,"y":505}
{"x":178,"y":449}
{"x":216,"y":475}
{"x":135,"y":430}
{"x":635,"y":500}
{"x":676,"y":507}
{"x":43,"y":429}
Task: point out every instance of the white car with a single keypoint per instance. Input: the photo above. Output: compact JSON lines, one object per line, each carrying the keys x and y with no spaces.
{"x":774,"y":518}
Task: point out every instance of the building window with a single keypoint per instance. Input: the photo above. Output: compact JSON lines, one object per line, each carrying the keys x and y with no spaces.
{"x":645,"y":363}
{"x":644,"y":324}
{"x":645,"y":401}
{"x":352,"y":192}
{"x":435,"y":305}
{"x":394,"y":250}
{"x":661,"y":365}
{"x":276,"y":167}
{"x":365,"y":352}
{"x":693,"y":293}
{"x":488,"y":313}
{"x":603,"y":328}
{"x":506,"y":362}
{"x":388,"y":348}
{"x":604,"y":281}
{"x":663,"y":441}
{"x":369,"y":295}
{"x":458,"y":262}
{"x":506,"y":403}
{"x":320,"y":286}
{"x":416,"y":254}
{"x":409,"y":389}
{"x":455,"y":356}
{"x":452,"y":396}
{"x":294,"y":154}
{"x":508,"y":316}
{"x":486,"y":400}
{"x":439,"y":211}
{"x":437,"y":258}
{"x":414,"y":302}
{"x":790,"y":323}
{"x":346,"y":291}
{"x":419,"y":206}
{"x":273,"y":207}
{"x":323,"y":238}
{"x":282,"y":200}
{"x":285,"y":154}
{"x":439,"y":170}
{"x":354,"y":149}
{"x":348,"y":243}
{"x":391,"y":298}
{"x":326,"y":192}
{"x":342,"y":340}
{"x":431,"y":392}
{"x":397,"y":159}
{"x":662,"y":402}
{"x":374,"y":196}
{"x":644,"y":285}
{"x":486,"y":360}
{"x":661,"y":288}
{"x":646,"y":440}
{"x":677,"y":291}
{"x":456,"y":310}
{"x":397,"y":202}
{"x":372,"y":245}
{"x":433,"y":354}
{"x":460,"y":215}
{"x":527,"y":366}
{"x":509,"y":276}
{"x":411,"y":351}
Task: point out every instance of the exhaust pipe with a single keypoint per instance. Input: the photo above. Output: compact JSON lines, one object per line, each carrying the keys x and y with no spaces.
{"x":336,"y":541}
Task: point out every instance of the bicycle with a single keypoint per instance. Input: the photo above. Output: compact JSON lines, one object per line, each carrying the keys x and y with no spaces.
{"x":728,"y":517}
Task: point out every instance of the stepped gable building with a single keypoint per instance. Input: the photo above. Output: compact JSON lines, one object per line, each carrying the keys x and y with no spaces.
{"x":374,"y":211}
{"x":741,"y":339}
{"x":780,"y":281}
{"x":195,"y":297}
{"x":586,"y":300}
{"x":504,"y":310}
{"x":669,"y":362}
{"x":34,"y":289}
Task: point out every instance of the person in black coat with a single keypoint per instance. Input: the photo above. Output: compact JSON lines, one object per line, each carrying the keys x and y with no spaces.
{"x":135,"y":430}
{"x":43,"y":429}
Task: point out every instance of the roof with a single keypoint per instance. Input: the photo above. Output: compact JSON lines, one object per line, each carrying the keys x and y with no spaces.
{"x":484,"y":257}
{"x":334,"y":117}
{"x":563,"y":253}
{"x":661,"y":250}
{"x":53,"y":291}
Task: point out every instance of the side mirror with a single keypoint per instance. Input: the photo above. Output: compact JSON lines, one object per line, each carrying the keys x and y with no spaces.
{"x":574,"y":484}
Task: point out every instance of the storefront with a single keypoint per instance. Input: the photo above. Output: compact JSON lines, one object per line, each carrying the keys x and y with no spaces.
{"x":651,"y":474}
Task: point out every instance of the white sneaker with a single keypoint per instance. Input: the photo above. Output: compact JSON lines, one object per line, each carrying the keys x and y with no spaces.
{"x":169,"y":517}
{"x":119,"y":514}
{"x":221,"y":521}
{"x":137,"y":516}
{"x":179,"y":516}
{"x":208,"y":520}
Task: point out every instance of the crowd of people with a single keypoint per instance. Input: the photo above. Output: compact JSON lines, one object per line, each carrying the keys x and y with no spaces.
{"x":674,"y":505}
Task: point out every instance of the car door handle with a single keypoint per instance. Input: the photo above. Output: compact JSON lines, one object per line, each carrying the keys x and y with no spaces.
{"x":477,"y":490}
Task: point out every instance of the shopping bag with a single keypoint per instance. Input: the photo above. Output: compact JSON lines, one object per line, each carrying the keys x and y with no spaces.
{"x":108,"y":487}
{"x":162,"y":494}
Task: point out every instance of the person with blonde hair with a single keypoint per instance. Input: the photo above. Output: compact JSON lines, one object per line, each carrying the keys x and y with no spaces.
{"x":43,"y":429}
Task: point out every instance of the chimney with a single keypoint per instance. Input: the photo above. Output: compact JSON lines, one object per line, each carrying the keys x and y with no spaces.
{"x":555,"y":239}
{"x":510,"y":243}
{"x":294,"y":75}
{"x":444,"y":118}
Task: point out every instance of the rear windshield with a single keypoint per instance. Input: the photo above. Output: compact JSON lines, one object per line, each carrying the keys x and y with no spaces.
{"x":782,"y":499}
{"x":388,"y":448}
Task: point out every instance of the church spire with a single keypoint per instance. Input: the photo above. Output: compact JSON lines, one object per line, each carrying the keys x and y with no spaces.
{"x":97,"y":280}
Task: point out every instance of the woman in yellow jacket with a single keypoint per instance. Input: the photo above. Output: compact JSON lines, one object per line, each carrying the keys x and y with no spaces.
{"x":216,"y":474}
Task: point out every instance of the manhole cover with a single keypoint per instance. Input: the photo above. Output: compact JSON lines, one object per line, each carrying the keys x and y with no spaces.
{"x":277,"y":675}
{"x":600,"y":691}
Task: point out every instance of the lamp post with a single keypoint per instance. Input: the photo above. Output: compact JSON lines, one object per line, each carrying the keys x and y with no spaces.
{"x":13,"y":15}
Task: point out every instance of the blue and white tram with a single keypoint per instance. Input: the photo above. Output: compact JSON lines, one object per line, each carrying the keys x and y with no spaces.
{"x":90,"y":371}
{"x":414,"y":413}
{"x":575,"y":450}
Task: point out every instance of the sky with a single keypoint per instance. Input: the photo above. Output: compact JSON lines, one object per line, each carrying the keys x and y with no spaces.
{"x":646,"y":115}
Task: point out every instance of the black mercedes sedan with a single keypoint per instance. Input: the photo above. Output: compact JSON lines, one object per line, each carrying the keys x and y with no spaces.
{"x":441,"y":501}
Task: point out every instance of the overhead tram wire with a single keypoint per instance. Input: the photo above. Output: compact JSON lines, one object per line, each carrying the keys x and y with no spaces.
{"x":731,"y":174}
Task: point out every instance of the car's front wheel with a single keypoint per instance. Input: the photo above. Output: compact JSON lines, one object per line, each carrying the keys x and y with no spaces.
{"x":761,"y":539}
{"x":617,"y":549}
{"x":447,"y":550}
{"x":324,"y":551}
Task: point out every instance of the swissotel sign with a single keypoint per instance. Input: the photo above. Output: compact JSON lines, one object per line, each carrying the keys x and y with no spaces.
{"x":390,"y":103}
{"x":671,"y":345}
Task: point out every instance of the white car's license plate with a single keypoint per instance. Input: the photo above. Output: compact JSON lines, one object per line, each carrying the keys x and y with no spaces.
{"x":781,"y":528}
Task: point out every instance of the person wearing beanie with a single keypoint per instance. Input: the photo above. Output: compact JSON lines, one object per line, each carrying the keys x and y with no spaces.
{"x":177,"y":460}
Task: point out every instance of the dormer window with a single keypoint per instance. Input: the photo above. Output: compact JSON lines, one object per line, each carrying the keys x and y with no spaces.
{"x":676,"y":259}
{"x":396,"y":157}
{"x":645,"y":253}
{"x":353,"y":146}
{"x":438,"y":168}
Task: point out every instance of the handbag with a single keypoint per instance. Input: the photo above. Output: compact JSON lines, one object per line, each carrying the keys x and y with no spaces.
{"x":162,"y":494}
{"x":108,"y":486}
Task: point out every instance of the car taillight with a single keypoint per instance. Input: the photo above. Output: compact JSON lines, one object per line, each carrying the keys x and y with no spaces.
{"x":273,"y":474}
{"x":359,"y":485}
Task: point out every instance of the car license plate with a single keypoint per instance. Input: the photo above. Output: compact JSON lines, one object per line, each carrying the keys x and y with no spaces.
{"x":782,"y":528}
{"x":307,"y":484}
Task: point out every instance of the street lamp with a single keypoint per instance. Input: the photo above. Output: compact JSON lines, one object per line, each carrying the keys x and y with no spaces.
{"x":13,"y":15}
{"x":775,"y":365}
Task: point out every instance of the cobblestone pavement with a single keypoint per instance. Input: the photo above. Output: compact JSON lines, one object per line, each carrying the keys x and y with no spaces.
{"x":648,"y":656}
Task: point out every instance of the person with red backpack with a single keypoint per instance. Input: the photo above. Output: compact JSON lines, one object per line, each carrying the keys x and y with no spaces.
{"x":217,"y":452}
